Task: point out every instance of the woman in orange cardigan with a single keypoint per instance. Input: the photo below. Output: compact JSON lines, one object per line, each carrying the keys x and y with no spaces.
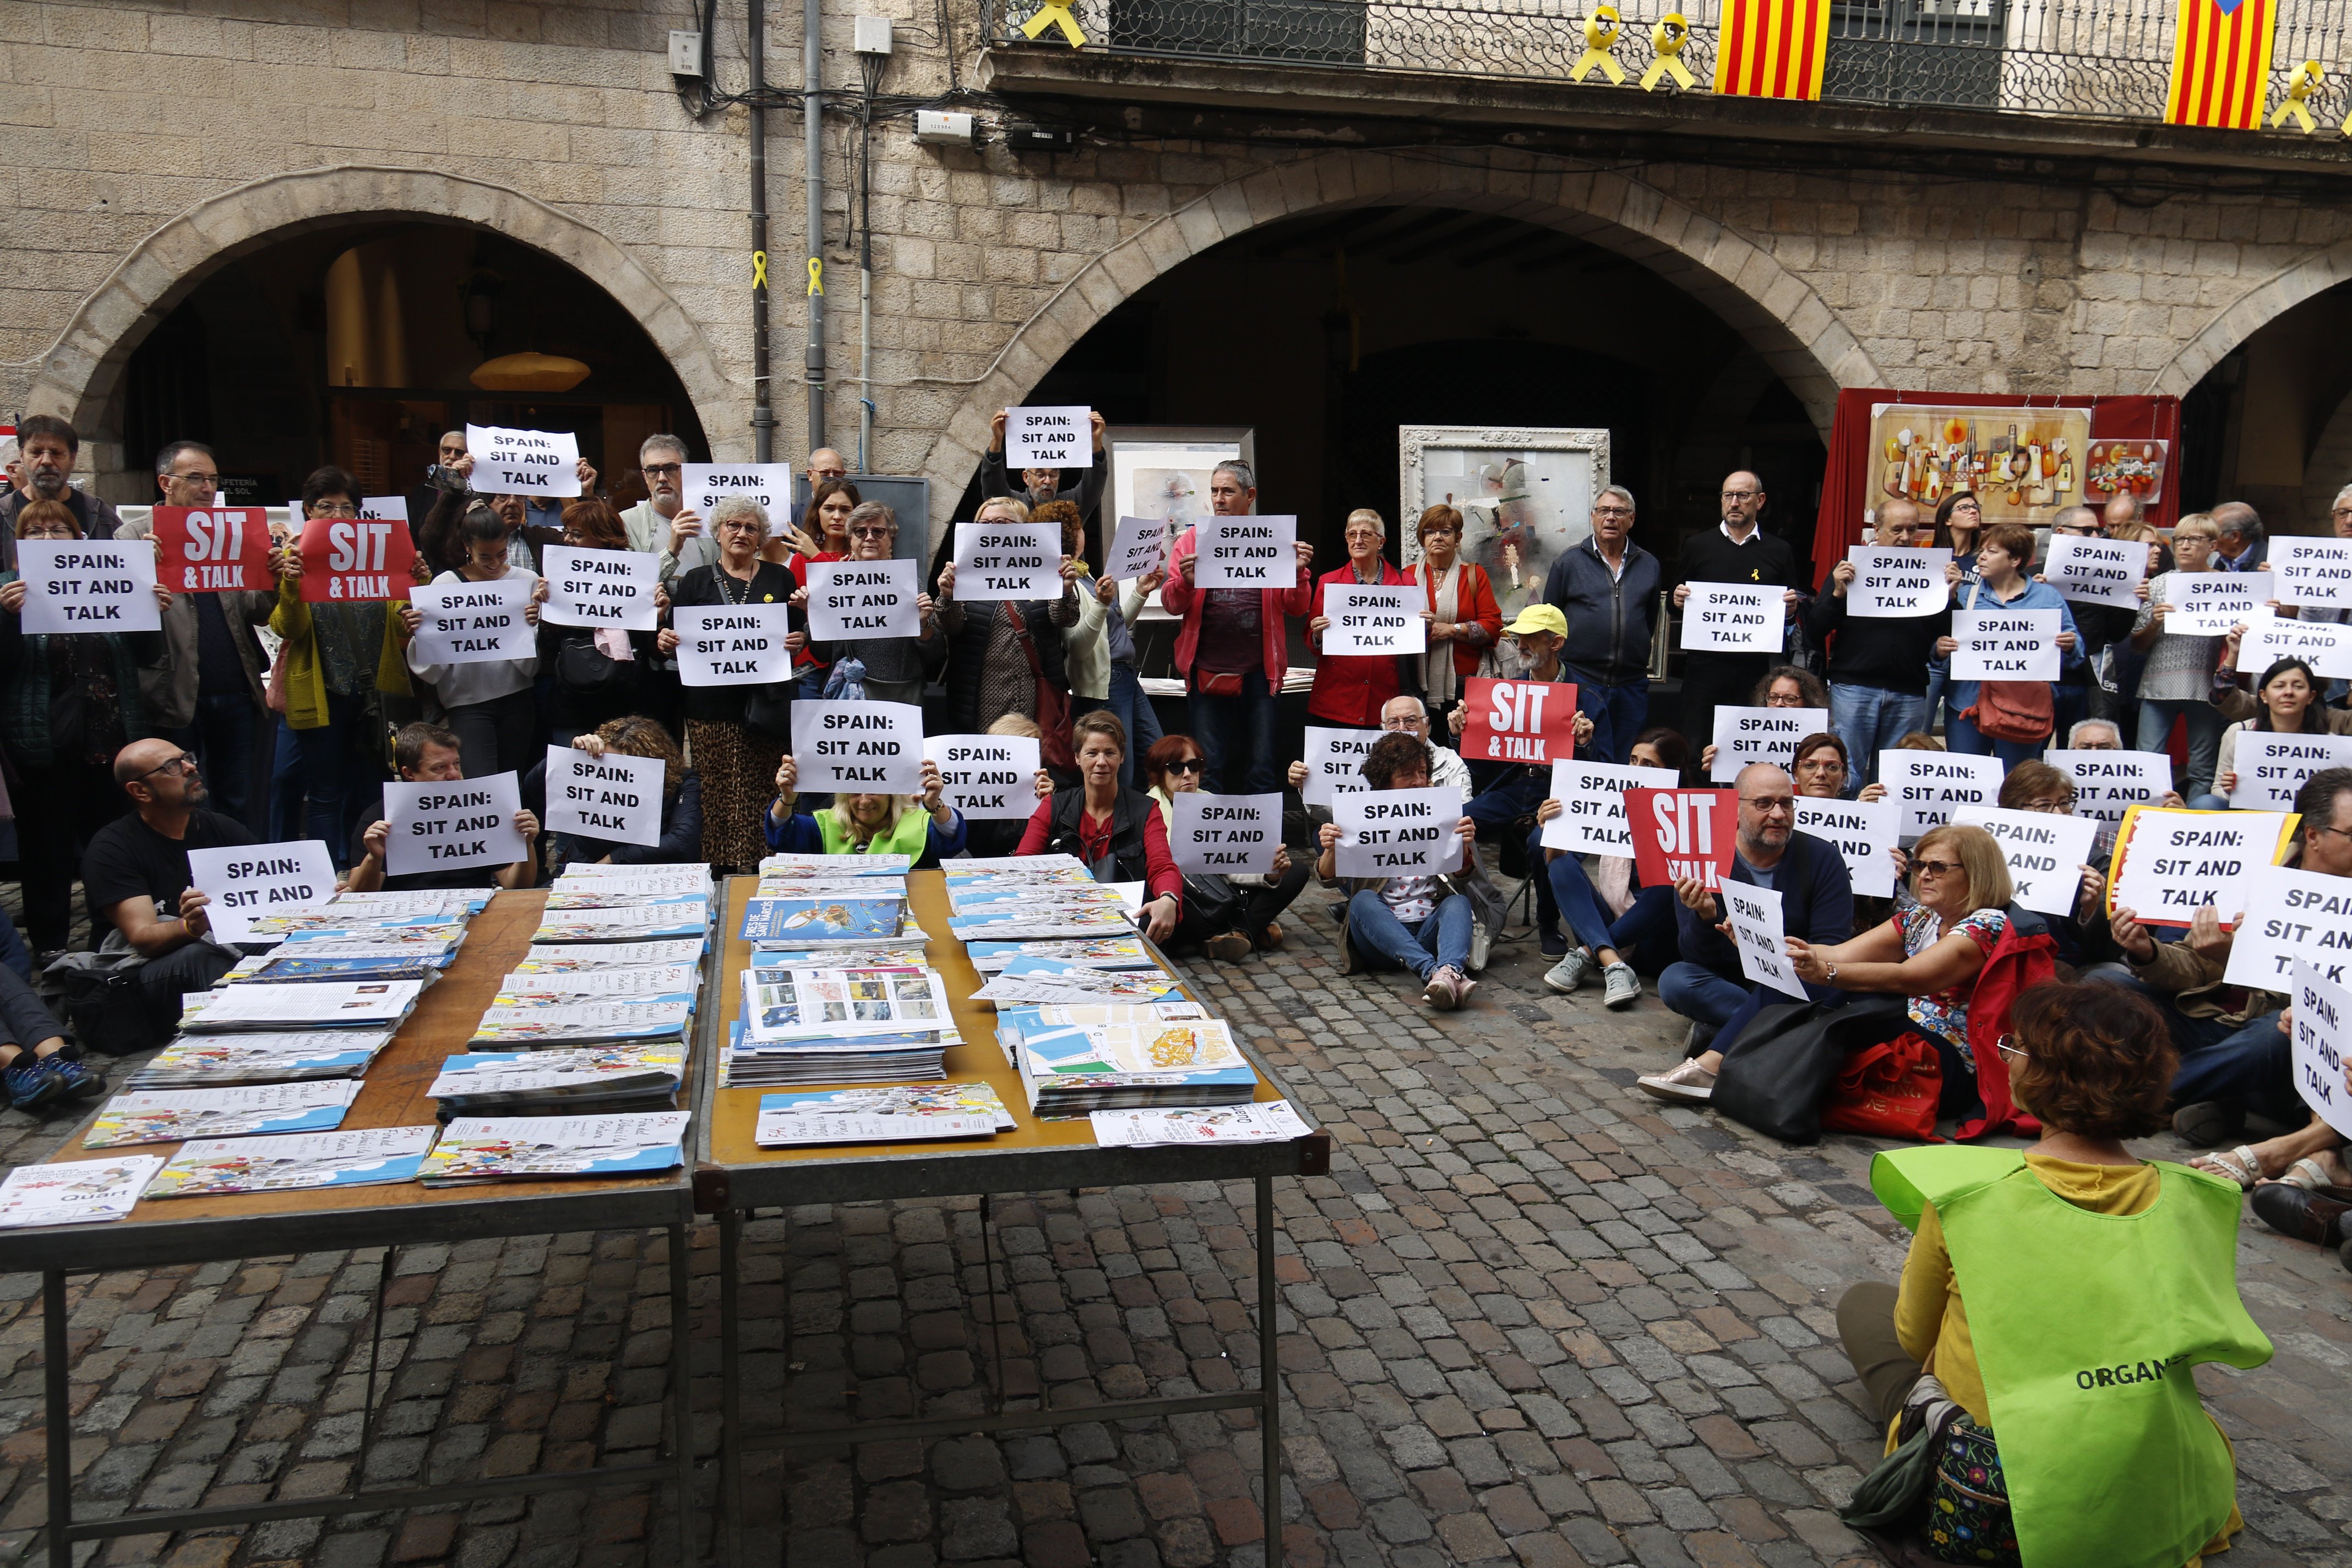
{"x":1463,"y":618}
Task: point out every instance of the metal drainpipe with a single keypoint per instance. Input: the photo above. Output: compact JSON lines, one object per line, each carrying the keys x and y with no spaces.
{"x":812,"y":111}
{"x":763,"y":413}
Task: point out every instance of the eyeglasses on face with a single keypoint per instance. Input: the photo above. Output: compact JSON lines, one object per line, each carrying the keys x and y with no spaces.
{"x":1936,"y":868}
{"x":1770,"y":804}
{"x":1189,"y":766}
{"x":208,"y":481}
{"x":2051,"y":803}
{"x":1612,"y":512}
{"x":871,"y":532}
{"x":655,"y":471}
{"x":2007,"y":1046}
{"x":175,"y":767}
{"x":334,"y":508}
{"x":1741,"y":495}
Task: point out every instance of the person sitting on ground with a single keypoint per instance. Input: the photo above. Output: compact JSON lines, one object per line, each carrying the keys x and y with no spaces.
{"x":681,"y":813}
{"x":1420,"y":923}
{"x":2285,"y":702}
{"x":428,"y":753}
{"x":1623,"y":930}
{"x":2081,"y":935}
{"x":1514,"y":789}
{"x":1706,"y":985}
{"x":136,"y":882}
{"x":1174,"y":767}
{"x":40,"y":1068}
{"x":1783,"y":686}
{"x":1000,"y":837}
{"x":1116,"y":832}
{"x":923,"y":826}
{"x":2027,"y":1267}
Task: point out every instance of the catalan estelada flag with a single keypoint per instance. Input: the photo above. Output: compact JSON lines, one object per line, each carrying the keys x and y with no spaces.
{"x":2222,"y":63}
{"x":1773,"y":48}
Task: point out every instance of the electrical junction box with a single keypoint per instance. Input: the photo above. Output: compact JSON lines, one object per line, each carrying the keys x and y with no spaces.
{"x":1028,"y":136}
{"x":685,"y":53}
{"x":942,"y":128}
{"x":873,"y":36}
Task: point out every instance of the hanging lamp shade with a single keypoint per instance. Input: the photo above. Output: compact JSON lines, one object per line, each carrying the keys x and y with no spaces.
{"x":529,"y":373}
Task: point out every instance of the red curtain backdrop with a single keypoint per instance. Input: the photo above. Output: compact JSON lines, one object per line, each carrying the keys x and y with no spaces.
{"x":1846,"y":486}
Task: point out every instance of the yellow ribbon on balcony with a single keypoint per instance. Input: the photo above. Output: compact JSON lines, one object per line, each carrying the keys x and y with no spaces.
{"x":2300,"y":85}
{"x":1055,"y":13}
{"x":1600,"y":37}
{"x":1667,"y":38}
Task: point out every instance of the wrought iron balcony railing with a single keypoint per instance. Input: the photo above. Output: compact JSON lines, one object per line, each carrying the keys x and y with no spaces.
{"x":2103,"y":59}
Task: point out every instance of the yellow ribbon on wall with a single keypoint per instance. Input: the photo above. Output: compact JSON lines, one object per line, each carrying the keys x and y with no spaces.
{"x":1057,"y":13}
{"x":1668,"y":37}
{"x":758,"y":269}
{"x":1600,"y":37}
{"x":2300,"y":85}
{"x":816,"y":276}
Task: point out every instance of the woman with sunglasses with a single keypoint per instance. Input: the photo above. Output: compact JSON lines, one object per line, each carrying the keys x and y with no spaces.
{"x":602,"y":673}
{"x":882,"y":669}
{"x":1174,"y":767}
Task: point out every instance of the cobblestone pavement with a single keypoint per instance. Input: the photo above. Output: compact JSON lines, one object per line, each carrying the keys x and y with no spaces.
{"x":1530,"y":1316}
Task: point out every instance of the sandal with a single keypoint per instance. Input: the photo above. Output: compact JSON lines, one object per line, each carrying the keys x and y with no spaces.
{"x":2238,"y":1164}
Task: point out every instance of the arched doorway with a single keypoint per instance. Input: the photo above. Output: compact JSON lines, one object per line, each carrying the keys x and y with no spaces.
{"x":2270,"y":423}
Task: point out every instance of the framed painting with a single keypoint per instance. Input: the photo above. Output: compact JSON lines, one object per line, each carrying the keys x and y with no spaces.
{"x":1162,"y":470}
{"x":1525,"y":496}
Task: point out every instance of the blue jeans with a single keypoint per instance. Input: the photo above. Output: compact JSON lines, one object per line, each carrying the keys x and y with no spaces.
{"x":284,"y":802}
{"x":1963,"y":736}
{"x":1241,"y":728}
{"x":335,"y":778}
{"x":1698,"y":993}
{"x":1508,"y":798}
{"x":2250,"y":1066}
{"x":2156,"y":716}
{"x":1129,"y":703}
{"x":1618,"y":713}
{"x":1440,"y":942}
{"x":1870,"y":720}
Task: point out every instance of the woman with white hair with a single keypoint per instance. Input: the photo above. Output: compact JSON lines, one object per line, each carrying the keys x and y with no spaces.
{"x":882,"y":669}
{"x":734,"y":760}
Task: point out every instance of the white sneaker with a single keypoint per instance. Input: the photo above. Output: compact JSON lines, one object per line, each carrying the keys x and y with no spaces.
{"x":1569,"y":973}
{"x":1687,"y":1080}
{"x":1620,"y":986}
{"x":1442,"y":991}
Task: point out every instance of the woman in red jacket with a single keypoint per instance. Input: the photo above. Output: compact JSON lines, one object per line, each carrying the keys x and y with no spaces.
{"x":1464,"y":619}
{"x":1349,"y":689}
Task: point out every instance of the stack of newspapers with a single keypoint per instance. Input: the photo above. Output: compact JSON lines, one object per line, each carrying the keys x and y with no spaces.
{"x":564,"y":1081}
{"x":884,"y":1114}
{"x":1026,"y":898}
{"x":828,"y":901}
{"x":474,"y":1150}
{"x":626,"y":904}
{"x":616,"y":961}
{"x":873,"y":1024}
{"x":1076,"y":1060}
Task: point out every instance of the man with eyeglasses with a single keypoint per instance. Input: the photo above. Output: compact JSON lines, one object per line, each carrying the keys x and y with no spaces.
{"x":448,"y":473}
{"x":1038,"y":486}
{"x":136,"y":881}
{"x":1706,"y":985}
{"x":208,"y":694}
{"x":48,"y":448}
{"x":1735,"y":550}
{"x":660,"y":524}
{"x":2089,"y":686}
{"x":1878,"y":664}
{"x":1604,"y":589}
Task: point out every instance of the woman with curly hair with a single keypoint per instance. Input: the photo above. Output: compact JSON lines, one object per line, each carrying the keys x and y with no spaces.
{"x":681,"y":816}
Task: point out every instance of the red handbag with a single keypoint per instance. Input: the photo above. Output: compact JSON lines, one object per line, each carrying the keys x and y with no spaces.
{"x":1888,"y":1091}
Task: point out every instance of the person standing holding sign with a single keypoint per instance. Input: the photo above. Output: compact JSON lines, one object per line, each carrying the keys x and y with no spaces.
{"x":1351,"y":690}
{"x":1464,"y":621}
{"x":428,"y":753}
{"x":2176,"y":680}
{"x":1421,"y":923}
{"x":1039,"y":485}
{"x":489,"y":703}
{"x":830,"y":504}
{"x":1994,"y":718}
{"x":882,"y":669}
{"x":1101,"y":656}
{"x":72,"y":702}
{"x":1877,"y":664}
{"x":601,"y":672}
{"x":681,"y":804}
{"x":1604,"y":589}
{"x":1736,"y":550}
{"x":1232,"y":649}
{"x":735,"y":761}
{"x":1007,"y":657}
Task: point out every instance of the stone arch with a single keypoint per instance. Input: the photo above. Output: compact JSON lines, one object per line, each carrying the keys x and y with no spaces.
{"x":79,"y":376}
{"x":2329,"y":467}
{"x":2258,"y":307}
{"x":1790,"y":325}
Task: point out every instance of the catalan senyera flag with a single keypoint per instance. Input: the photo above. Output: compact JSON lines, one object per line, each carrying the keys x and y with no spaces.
{"x":1773,"y":48}
{"x":2222,"y":63}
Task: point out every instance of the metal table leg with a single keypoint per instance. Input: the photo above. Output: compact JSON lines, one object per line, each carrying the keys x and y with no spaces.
{"x":1269,"y":1375}
{"x":681,"y":1390}
{"x":730,"y":1390}
{"x":60,"y":1418}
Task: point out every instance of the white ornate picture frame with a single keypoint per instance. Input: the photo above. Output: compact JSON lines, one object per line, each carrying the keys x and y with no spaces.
{"x":1525,"y":496}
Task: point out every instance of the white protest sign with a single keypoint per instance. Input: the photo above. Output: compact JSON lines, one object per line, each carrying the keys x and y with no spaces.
{"x":2290,"y":916}
{"x":614,"y":797}
{"x":989,"y":778}
{"x":473,"y":623}
{"x":2312,"y":570}
{"x":1896,"y":581}
{"x":88,"y":585}
{"x":864,"y":748}
{"x":382,"y":509}
{"x":856,"y":599}
{"x":1335,"y":760}
{"x":523,"y":462}
{"x":2170,"y":864}
{"x":1245,"y":552}
{"x":607,"y":589}
{"x":2108,"y":784}
{"x":1756,"y":930}
{"x":2212,"y":603}
{"x":2097,"y":571}
{"x":1230,"y":835}
{"x":2326,"y":645}
{"x":702,"y":486}
{"x":2271,"y":767}
{"x":450,"y":826}
{"x":1000,"y":560}
{"x":732,"y":645}
{"x":1734,"y":617}
{"x":253,"y":879}
{"x":1398,"y":831}
{"x":2045,"y":852}
{"x":2322,"y":1010}
{"x":1048,"y":437}
{"x":1374,"y":620}
{"x":2007,"y":645}
{"x":1138,"y":549}
{"x":1864,"y":833}
{"x":1591,"y":798}
{"x":1745,"y":735}
{"x":1929,"y":784}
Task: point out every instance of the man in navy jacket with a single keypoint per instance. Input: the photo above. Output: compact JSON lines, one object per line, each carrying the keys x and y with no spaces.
{"x":1816,"y":906}
{"x":1606,"y":587}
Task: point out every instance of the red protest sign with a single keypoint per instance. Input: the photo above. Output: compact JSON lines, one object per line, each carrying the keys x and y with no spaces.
{"x":1519,"y":721}
{"x":214,"y":549}
{"x":1680,"y":833}
{"x":345,"y":559}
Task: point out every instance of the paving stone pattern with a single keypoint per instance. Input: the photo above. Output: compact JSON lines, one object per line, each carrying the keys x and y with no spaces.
{"x":1531,"y":1317}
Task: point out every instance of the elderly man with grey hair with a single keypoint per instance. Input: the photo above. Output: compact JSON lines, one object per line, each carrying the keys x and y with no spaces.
{"x":662,"y":522}
{"x":1607,"y":587}
{"x":2243,"y":546}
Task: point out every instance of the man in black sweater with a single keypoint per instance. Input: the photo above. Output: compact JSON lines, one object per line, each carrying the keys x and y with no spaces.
{"x":1878,"y":664}
{"x":1735,"y":550}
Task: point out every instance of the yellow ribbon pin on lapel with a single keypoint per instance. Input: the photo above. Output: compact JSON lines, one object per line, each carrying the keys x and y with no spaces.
{"x":2300,"y":85}
{"x":1667,"y":38}
{"x":1055,"y":13}
{"x":1600,"y":37}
